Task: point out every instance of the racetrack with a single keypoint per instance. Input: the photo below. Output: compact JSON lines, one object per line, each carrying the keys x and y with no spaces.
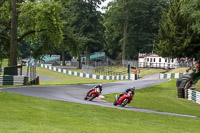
{"x":76,"y":93}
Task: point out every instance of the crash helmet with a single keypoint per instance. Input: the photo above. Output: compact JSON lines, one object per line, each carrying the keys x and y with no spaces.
{"x":100,"y":85}
{"x":132,"y":88}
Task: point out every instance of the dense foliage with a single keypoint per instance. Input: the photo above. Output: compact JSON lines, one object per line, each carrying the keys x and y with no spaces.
{"x":141,"y":18}
{"x":85,"y":21}
{"x":179,"y":33}
{"x":127,"y":28}
{"x":35,"y":21}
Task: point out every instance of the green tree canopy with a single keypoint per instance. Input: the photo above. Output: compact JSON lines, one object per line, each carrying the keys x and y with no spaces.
{"x":141,"y":18}
{"x":86,"y":23}
{"x":179,"y":32}
{"x":35,"y":20}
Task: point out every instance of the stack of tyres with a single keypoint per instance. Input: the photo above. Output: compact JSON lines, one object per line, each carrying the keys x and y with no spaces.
{"x":182,"y":84}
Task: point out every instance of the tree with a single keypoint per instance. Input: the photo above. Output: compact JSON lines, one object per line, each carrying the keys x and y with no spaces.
{"x":173,"y":32}
{"x":30,"y":20}
{"x":191,"y":11}
{"x":85,"y":21}
{"x":179,"y":34}
{"x":131,"y":26}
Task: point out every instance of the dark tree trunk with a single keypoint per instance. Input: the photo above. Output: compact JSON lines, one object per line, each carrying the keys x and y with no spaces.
{"x":124,"y":41}
{"x":87,"y":56}
{"x":63,"y":57}
{"x":13,"y":41}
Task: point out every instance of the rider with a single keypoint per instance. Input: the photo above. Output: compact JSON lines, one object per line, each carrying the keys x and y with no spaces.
{"x":132,"y":89}
{"x":97,"y":86}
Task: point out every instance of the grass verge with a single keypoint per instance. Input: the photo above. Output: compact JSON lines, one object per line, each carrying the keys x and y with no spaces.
{"x":5,"y":63}
{"x":107,"y":70}
{"x":162,"y":97}
{"x":30,"y":114}
{"x":197,"y":86}
{"x":149,"y":71}
{"x":179,"y":70}
{"x":65,"y":79}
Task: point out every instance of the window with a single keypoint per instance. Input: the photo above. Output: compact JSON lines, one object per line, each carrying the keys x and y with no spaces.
{"x":165,"y":59}
{"x":147,"y":59}
{"x":172,"y":60}
{"x":154,"y":59}
{"x":159,"y":59}
{"x":150,"y":59}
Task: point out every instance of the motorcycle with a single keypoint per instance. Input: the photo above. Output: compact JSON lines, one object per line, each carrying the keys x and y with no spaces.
{"x":93,"y":94}
{"x":123,"y":100}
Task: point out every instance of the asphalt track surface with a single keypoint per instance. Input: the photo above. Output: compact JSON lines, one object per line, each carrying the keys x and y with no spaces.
{"x":76,"y":93}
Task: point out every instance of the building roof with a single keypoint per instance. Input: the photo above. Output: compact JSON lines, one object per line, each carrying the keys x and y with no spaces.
{"x":142,"y":55}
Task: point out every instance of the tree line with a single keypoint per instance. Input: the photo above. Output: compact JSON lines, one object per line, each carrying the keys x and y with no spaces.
{"x":76,"y":27}
{"x":179,"y":31}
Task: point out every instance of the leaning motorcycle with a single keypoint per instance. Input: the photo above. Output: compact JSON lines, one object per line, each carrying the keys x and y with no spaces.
{"x":123,"y":100}
{"x":93,"y":94}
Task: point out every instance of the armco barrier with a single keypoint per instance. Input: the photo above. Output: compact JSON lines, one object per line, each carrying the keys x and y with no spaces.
{"x":194,"y":96}
{"x":171,"y":75}
{"x":13,"y":80}
{"x":103,"y":77}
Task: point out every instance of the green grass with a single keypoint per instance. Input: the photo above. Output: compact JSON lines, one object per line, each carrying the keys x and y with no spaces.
{"x":5,"y":63}
{"x":179,"y":70}
{"x":162,"y":97}
{"x":107,"y":70}
{"x":197,"y":86}
{"x":37,"y":115}
{"x":65,"y":78}
{"x":143,"y":71}
{"x":149,"y":71}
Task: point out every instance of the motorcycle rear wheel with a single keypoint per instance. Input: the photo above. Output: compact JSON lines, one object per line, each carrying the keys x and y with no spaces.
{"x":124,"y":102}
{"x":115,"y":103}
{"x":92,"y":97}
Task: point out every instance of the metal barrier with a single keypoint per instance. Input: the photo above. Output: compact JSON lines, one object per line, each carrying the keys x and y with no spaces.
{"x":13,"y":80}
{"x":87,"y":69}
{"x":12,"y":70}
{"x":194,"y":95}
{"x":33,"y":74}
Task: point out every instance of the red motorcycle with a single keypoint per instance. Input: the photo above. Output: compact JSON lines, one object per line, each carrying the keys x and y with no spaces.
{"x":124,"y":99}
{"x":93,"y":94}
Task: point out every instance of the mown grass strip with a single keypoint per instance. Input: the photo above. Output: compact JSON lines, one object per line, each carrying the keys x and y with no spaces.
{"x":149,"y":71}
{"x":65,"y":79}
{"x":30,"y":114}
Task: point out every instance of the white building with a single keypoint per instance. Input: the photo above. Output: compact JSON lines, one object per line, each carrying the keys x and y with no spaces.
{"x":155,"y":61}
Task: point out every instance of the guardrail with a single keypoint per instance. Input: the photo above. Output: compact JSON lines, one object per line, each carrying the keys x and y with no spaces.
{"x":86,"y":75}
{"x":171,"y":75}
{"x":13,"y":80}
{"x":194,"y":96}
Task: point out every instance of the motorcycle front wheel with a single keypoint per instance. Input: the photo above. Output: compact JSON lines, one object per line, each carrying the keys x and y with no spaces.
{"x":115,"y":103}
{"x":92,"y":97}
{"x":124,"y":102}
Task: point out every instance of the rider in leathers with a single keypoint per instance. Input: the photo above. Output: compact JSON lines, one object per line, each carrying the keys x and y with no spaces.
{"x":97,"y":86}
{"x":132,"y":89}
